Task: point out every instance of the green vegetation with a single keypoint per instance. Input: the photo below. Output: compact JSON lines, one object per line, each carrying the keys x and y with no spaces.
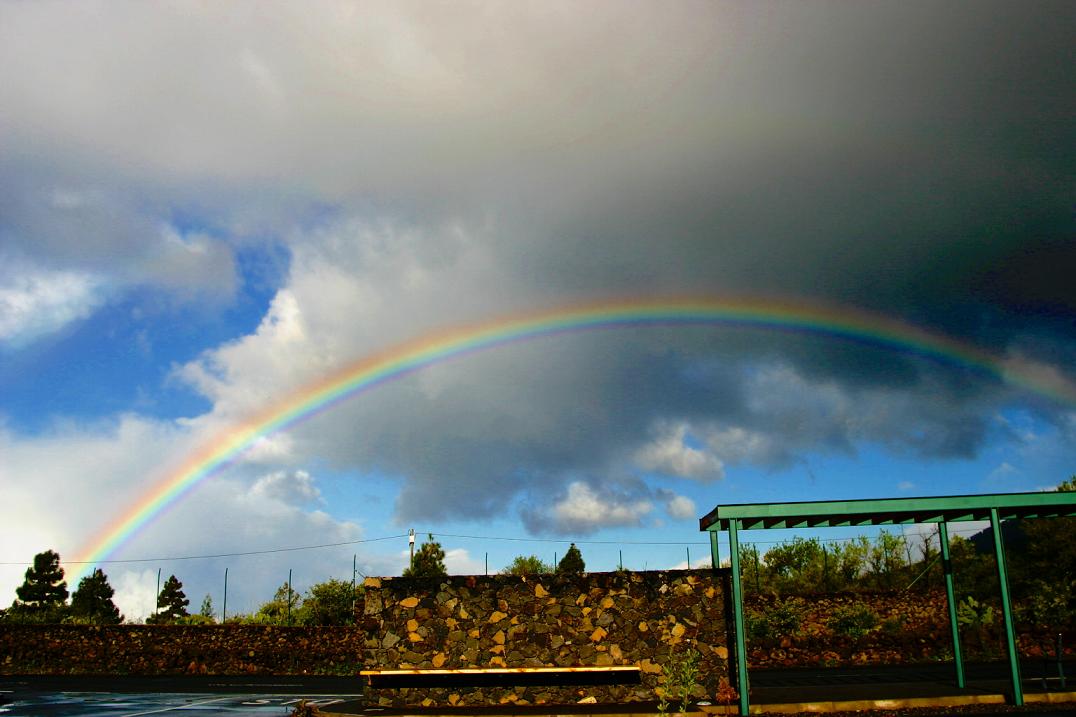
{"x":171,"y":603}
{"x":429,"y":561}
{"x":572,"y":562}
{"x":527,"y":565}
{"x":329,"y":603}
{"x":92,"y":600}
{"x":853,"y":620}
{"x":206,"y":610}
{"x":783,"y":618}
{"x":681,"y":673}
{"x":42,"y":597}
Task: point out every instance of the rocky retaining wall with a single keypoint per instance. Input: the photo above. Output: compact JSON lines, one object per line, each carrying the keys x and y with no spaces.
{"x":642,"y":619}
{"x":175,"y":650}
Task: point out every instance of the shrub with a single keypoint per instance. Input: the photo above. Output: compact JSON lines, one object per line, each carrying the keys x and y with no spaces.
{"x":853,"y":621}
{"x":893,"y":625}
{"x":974,"y":614}
{"x":783,"y":618}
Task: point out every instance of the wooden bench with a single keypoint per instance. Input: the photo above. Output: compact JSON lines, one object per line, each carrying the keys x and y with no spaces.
{"x":503,"y":676}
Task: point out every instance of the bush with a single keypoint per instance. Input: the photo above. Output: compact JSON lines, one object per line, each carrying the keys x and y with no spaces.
{"x":974,"y":614}
{"x":853,"y":621}
{"x":783,"y":619}
{"x":195,"y":620}
{"x":893,"y":625}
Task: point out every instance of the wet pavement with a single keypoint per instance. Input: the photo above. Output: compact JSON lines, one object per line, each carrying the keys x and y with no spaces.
{"x":822,"y":689}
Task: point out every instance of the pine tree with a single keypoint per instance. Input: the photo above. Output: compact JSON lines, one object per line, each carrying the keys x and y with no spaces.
{"x":44,"y":591}
{"x":92,"y":600}
{"x":429,"y":561}
{"x":207,"y":606}
{"x":572,"y":562}
{"x":171,"y":603}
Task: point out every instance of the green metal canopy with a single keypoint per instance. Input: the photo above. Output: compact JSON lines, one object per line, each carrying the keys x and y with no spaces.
{"x":890,"y":511}
{"x":886,"y":511}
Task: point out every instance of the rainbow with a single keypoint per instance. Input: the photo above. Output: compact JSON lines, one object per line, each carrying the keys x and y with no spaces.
{"x":392,"y":363}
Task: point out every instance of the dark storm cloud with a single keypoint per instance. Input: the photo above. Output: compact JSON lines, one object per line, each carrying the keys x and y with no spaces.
{"x":914,"y":159}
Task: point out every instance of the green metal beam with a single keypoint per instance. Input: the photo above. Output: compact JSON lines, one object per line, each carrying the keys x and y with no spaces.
{"x":737,"y":610}
{"x":891,"y":511}
{"x":947,"y":566}
{"x":1006,"y":609}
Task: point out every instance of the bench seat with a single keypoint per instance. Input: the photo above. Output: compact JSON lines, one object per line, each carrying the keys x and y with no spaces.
{"x":503,"y":676}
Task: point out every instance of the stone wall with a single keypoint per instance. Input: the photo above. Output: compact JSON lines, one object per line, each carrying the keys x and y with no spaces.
{"x":176,"y":650}
{"x":504,"y":621}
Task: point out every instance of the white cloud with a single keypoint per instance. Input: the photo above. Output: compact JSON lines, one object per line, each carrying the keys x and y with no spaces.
{"x":682,"y":507}
{"x":583,"y":510}
{"x":1003,"y":472}
{"x":696,"y":563}
{"x":736,"y":444}
{"x":36,"y":302}
{"x":296,"y":487}
{"x":136,"y":592}
{"x":905,"y":485}
{"x":459,"y":562}
{"x":670,"y":454}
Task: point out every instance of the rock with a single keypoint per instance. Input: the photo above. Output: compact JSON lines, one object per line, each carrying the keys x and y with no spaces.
{"x":409,"y":602}
{"x":412,"y":625}
{"x":371,"y":583}
{"x":496,"y":617}
{"x":598,"y":635}
{"x":649,"y":668}
{"x":539,"y":591}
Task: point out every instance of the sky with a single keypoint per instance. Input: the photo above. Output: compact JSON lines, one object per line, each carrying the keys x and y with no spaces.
{"x":207,"y":207}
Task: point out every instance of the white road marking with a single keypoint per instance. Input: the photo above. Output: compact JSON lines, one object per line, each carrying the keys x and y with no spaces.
{"x":176,"y":707}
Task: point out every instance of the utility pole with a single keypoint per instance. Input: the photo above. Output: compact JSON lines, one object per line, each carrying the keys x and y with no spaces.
{"x":411,"y":542}
{"x":157,"y":600}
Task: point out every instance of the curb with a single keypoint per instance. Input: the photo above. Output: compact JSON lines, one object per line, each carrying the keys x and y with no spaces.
{"x":820,"y":707}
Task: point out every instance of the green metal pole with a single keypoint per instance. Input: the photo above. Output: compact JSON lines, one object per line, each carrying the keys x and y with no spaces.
{"x":947,"y":565}
{"x":1006,"y":609}
{"x":715,"y":556}
{"x":737,"y":609}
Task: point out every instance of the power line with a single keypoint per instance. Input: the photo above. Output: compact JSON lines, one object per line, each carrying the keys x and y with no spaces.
{"x":291,"y":549}
{"x":222,"y":555}
{"x":565,"y":540}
